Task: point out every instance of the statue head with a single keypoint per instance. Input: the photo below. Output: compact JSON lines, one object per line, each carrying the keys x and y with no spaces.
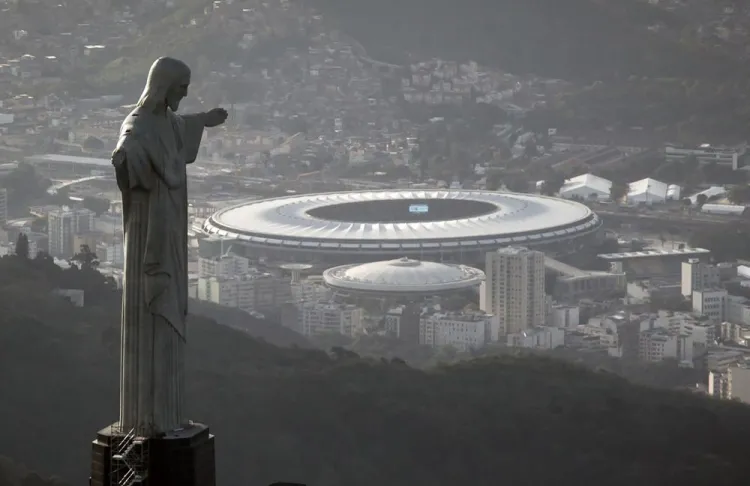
{"x":167,"y":84}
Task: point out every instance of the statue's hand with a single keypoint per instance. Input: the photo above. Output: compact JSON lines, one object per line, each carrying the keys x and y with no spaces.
{"x":215,"y":117}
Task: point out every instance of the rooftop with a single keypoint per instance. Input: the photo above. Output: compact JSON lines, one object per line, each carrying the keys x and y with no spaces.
{"x":68,"y":159}
{"x":403,"y":276}
{"x":653,"y":253}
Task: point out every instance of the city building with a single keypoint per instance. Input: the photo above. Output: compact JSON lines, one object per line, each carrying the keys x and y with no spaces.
{"x":564,"y":316}
{"x":650,"y":191}
{"x":718,"y":384}
{"x":706,"y":153}
{"x":720,"y":359}
{"x":320,"y":318}
{"x":310,"y":289}
{"x":513,"y":291}
{"x":223,"y":266}
{"x":738,"y":384}
{"x":659,"y":343}
{"x":573,"y":284}
{"x":698,"y":275}
{"x":735,"y":332}
{"x":3,"y":206}
{"x":403,"y":322}
{"x":538,"y":338}
{"x":111,"y":252}
{"x":586,"y":187}
{"x":649,"y":264}
{"x":711,"y":303}
{"x":63,"y":225}
{"x":463,"y":330}
{"x":252,"y":292}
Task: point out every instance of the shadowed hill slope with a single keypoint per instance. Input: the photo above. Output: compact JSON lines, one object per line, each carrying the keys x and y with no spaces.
{"x":258,"y":328}
{"x":304,"y":415}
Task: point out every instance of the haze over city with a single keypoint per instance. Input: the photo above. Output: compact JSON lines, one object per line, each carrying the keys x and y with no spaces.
{"x":374,"y":243}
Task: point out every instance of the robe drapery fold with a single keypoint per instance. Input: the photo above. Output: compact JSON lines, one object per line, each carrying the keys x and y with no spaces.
{"x":154,"y":150}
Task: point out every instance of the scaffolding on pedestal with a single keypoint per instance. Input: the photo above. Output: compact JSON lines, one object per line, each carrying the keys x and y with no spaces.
{"x":129,"y":460}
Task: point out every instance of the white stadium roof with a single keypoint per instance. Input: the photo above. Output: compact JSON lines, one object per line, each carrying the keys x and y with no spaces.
{"x":516,"y":219}
{"x":402,"y":276}
{"x":68,"y":159}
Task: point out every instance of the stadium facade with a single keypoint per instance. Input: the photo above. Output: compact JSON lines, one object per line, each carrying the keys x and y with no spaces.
{"x":435,"y":225}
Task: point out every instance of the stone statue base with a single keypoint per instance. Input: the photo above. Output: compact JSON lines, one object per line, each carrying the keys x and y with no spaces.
{"x":184,"y":457}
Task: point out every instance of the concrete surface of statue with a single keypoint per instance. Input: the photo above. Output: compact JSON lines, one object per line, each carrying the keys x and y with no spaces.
{"x":150,"y":160}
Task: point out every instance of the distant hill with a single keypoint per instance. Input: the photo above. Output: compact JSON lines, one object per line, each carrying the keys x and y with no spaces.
{"x":337,"y":419}
{"x":12,"y":474}
{"x":574,"y":39}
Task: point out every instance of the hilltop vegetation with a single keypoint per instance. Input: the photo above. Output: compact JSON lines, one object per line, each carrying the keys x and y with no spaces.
{"x":576,"y":39}
{"x":203,"y":41}
{"x":643,"y":67}
{"x":338,"y":419}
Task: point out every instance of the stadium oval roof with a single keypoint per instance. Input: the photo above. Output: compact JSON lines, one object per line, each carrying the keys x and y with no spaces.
{"x":402,"y":276}
{"x":287,"y":222}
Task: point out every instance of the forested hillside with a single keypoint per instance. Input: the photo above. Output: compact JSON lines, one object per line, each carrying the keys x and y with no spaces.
{"x":574,"y":39}
{"x":338,"y":419}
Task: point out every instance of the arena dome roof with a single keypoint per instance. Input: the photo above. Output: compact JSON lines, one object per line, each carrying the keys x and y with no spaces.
{"x":403,"y":275}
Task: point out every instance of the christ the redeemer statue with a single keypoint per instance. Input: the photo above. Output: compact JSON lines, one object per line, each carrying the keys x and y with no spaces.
{"x":150,"y":161}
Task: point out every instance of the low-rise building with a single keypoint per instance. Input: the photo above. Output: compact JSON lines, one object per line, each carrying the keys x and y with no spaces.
{"x":538,"y":338}
{"x":461,"y":330}
{"x":711,"y":303}
{"x":255,"y":291}
{"x":325,"y":317}
{"x":659,"y":344}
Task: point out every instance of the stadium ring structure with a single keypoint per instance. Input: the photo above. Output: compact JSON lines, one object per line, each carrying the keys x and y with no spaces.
{"x":448,"y":225}
{"x":401,"y":277}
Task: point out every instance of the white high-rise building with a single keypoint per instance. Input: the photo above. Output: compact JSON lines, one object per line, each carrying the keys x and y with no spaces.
{"x":513,"y":291}
{"x":697,"y":275}
{"x":3,"y":206}
{"x":62,"y":225}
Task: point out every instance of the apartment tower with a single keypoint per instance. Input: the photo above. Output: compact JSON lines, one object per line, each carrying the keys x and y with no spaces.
{"x":513,"y":291}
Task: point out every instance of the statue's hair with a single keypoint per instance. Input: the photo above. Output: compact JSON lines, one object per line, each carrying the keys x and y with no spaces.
{"x":164,"y":73}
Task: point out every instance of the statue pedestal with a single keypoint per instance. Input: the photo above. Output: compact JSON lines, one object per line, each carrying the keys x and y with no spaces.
{"x":183,"y":457}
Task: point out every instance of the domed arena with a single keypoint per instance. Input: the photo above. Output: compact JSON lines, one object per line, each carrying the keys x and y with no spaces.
{"x":401,"y":277}
{"x":435,"y":225}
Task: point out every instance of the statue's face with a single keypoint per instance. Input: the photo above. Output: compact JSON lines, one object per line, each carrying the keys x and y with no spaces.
{"x":177,"y":92}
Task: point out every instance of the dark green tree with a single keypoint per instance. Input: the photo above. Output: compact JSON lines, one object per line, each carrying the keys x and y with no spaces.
{"x":96,"y":204}
{"x":22,"y":246}
{"x":85,"y":259}
{"x":516,"y":184}
{"x":552,"y":184}
{"x":739,"y":194}
{"x":618,"y":191}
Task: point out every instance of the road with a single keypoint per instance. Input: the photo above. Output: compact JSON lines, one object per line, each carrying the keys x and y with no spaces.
{"x":676,"y":218}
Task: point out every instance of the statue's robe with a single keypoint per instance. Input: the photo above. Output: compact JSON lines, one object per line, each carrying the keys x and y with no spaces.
{"x":153,"y":182}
